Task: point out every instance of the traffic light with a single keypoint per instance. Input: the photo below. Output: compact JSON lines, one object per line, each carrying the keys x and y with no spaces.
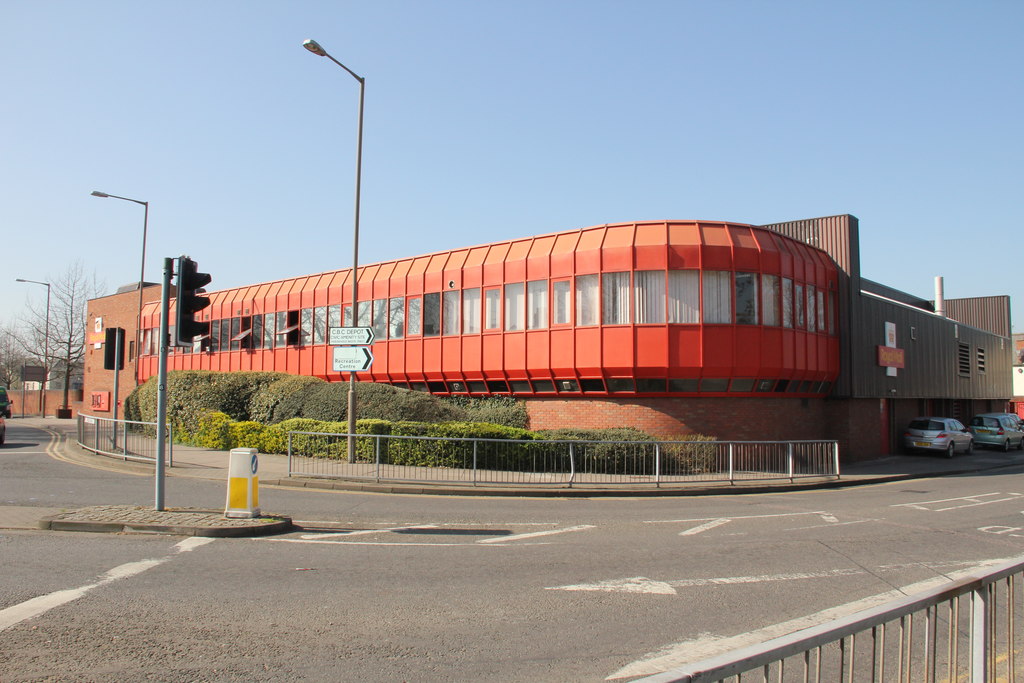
{"x":112,"y":342}
{"x":190,"y":301}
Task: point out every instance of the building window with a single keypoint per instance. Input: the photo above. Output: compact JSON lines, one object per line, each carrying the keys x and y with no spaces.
{"x":334,"y":316}
{"x":414,"y":315}
{"x":537,"y":304}
{"x":306,"y":326}
{"x":236,"y":334}
{"x":717,"y":296}
{"x":514,"y":308}
{"x":798,"y":297}
{"x":214,"y":335}
{"x":684,"y":296}
{"x":380,"y":318}
{"x":980,"y":355}
{"x":396,"y":318}
{"x":770,"y":300}
{"x":812,"y":318}
{"x":746,"y":298}
{"x":561,"y":303}
{"x":963,"y":359}
{"x":615,"y":298}
{"x":225,"y":334}
{"x":492,"y":309}
{"x":432,"y":314}
{"x":471,"y":311}
{"x":268,"y":331}
{"x":256,"y":336}
{"x":649,"y":296}
{"x":787,"y":302}
{"x":821,"y":310}
{"x":347,"y":316}
{"x":365,"y":314}
{"x":319,"y":324}
{"x":588,"y":301}
{"x":450,"y":313}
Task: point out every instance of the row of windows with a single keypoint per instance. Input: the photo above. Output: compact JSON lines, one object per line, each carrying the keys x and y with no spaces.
{"x":621,"y":385}
{"x":620,"y":298}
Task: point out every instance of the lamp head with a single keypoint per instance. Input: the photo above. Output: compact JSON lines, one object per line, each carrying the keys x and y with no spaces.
{"x":314,"y":47}
{"x":97,"y":193}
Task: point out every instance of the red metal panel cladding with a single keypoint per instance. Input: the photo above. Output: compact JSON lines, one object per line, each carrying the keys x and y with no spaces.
{"x":571,"y":324}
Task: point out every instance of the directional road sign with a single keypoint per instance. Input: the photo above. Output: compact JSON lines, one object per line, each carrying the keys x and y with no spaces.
{"x":350,"y":336}
{"x":352,"y":358}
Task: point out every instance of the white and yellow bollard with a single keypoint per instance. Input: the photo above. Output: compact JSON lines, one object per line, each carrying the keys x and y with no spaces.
{"x":243,"y":484}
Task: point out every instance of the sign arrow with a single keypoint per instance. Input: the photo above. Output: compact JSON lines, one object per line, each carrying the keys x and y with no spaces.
{"x":350,"y":336}
{"x":352,"y":358}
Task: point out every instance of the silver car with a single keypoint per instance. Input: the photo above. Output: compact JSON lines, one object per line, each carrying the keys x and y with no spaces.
{"x":942,"y":434}
{"x":997,"y":430}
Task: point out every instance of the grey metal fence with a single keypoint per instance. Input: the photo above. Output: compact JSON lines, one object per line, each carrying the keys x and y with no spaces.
{"x":125,"y":439}
{"x":556,"y":463}
{"x":967,"y":630}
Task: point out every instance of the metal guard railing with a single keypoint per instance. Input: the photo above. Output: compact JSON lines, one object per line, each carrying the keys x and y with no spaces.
{"x":565,"y":463}
{"x":125,"y":439}
{"x":926,"y":636}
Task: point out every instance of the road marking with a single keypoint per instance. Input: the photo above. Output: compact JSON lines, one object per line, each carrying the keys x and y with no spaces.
{"x":382,"y":543}
{"x":362,"y":532}
{"x":534,"y":534}
{"x":963,"y":502}
{"x":707,"y":519}
{"x":710,"y":645}
{"x":836,"y":523}
{"x":641,"y":584}
{"x":705,"y":526}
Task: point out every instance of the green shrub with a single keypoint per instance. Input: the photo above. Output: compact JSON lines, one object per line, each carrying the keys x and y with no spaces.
{"x":248,"y":434}
{"x":502,"y":410}
{"x":214,"y":431}
{"x":270,"y":405}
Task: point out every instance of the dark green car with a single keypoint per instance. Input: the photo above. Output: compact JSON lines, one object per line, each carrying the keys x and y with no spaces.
{"x":5,"y":403}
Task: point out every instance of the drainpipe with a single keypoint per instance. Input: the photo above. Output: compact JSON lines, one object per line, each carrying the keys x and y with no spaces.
{"x":940,"y":304}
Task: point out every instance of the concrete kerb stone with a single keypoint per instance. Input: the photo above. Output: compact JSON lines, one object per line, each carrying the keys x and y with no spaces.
{"x":174,"y":521}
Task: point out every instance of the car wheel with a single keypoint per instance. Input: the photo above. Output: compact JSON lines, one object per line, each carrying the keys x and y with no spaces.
{"x":1020,"y":444}
{"x":970,"y":446}
{"x":950,"y":449}
{"x":1006,"y":445}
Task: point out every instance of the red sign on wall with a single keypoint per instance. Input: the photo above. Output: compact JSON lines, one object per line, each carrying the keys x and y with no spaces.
{"x":890,"y":357}
{"x":100,"y":401}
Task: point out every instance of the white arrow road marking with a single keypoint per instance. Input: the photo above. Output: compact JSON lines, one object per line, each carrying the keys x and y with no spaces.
{"x":361,"y":532}
{"x":534,"y":534}
{"x":964,"y":502}
{"x":641,"y":584}
{"x":16,"y":614}
{"x":705,"y":526}
{"x":710,"y":645}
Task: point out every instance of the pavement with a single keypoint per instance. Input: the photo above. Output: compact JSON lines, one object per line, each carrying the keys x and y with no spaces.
{"x":202,"y":463}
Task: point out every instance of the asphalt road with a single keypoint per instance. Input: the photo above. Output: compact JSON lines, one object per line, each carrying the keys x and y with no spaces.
{"x":381,"y":587}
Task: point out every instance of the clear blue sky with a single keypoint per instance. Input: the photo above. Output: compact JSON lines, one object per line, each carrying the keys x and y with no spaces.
{"x":491,"y":120}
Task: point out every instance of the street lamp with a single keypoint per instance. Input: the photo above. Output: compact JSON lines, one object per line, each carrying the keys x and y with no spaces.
{"x":142,"y":274}
{"x":46,"y":346}
{"x":315,"y":48}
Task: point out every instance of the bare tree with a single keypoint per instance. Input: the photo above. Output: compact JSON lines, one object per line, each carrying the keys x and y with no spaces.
{"x":12,"y":356}
{"x":69,"y":294}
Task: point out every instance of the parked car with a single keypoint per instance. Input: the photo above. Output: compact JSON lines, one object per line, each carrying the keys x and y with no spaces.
{"x":5,"y":403}
{"x":942,"y":434}
{"x":997,"y":430}
{"x":3,"y":430}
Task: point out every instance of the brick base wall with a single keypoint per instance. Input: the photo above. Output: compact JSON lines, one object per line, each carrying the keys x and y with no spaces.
{"x":856,"y":423}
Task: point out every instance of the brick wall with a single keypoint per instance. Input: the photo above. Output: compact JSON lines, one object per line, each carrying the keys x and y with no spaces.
{"x":856,"y":424}
{"x":116,"y":310}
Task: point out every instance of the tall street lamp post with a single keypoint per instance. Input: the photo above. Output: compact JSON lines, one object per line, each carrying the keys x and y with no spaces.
{"x":315,"y":48}
{"x":46,"y":347}
{"x":142,"y":274}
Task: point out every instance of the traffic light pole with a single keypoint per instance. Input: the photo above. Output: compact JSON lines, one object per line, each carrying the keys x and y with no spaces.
{"x":161,"y":395}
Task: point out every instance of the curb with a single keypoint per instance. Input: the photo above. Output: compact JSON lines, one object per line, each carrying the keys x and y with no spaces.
{"x":259,"y":526}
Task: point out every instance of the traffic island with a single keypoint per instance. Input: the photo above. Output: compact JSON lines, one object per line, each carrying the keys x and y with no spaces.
{"x":172,"y":521}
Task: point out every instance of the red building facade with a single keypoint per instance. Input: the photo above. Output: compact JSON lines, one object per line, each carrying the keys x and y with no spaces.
{"x":634,"y":310}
